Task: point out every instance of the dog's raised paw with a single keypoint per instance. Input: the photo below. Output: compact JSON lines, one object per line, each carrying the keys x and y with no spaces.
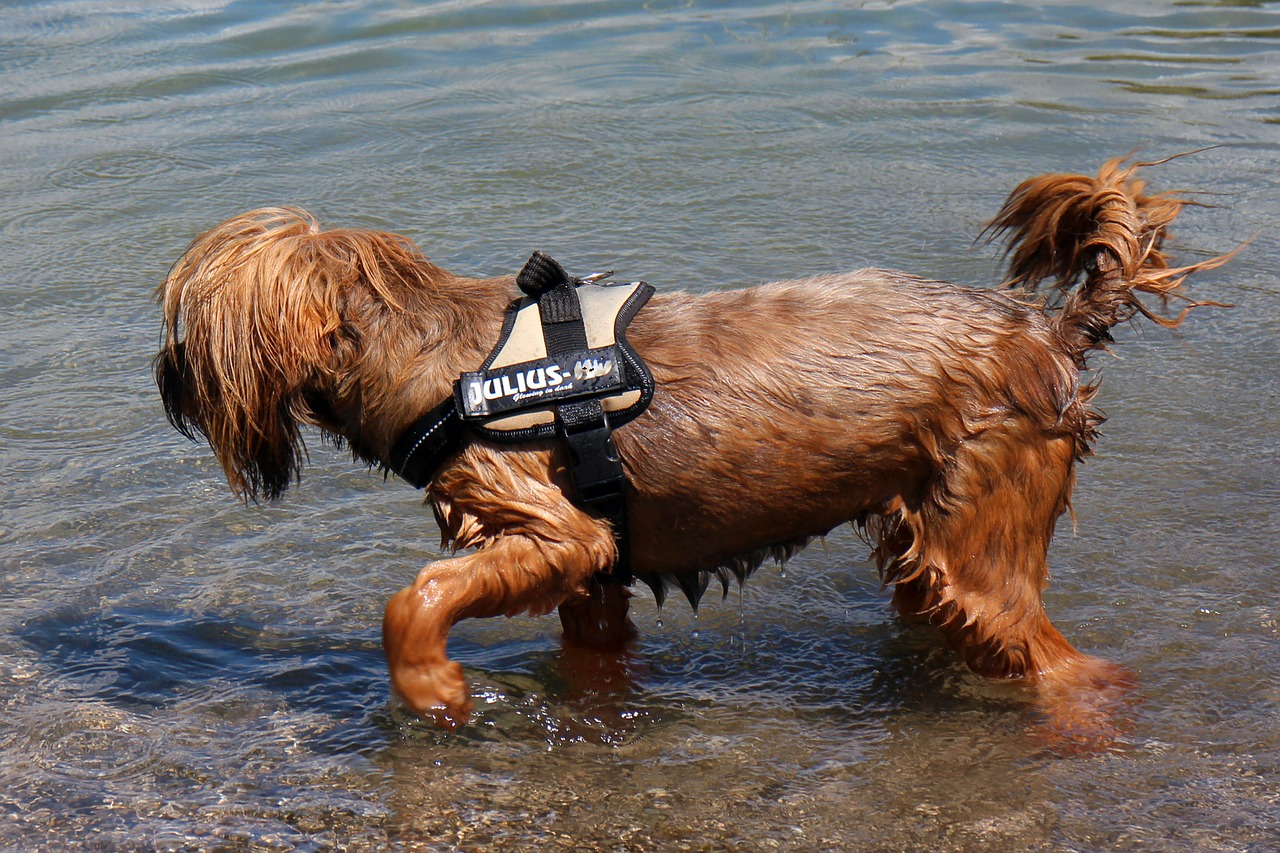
{"x":437,"y":693}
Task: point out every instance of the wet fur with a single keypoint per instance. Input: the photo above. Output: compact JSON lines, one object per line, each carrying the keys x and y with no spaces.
{"x":943,"y":421}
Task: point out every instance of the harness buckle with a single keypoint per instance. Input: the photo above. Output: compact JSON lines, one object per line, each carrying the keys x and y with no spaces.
{"x":596,"y":467}
{"x":598,"y":475}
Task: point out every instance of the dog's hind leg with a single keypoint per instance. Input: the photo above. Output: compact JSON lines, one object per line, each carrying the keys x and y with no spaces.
{"x":977,"y":563}
{"x":973,"y":562}
{"x":513,"y":574}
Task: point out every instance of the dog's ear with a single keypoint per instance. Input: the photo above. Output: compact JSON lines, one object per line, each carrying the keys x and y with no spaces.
{"x":170,"y":369}
{"x":252,"y":311}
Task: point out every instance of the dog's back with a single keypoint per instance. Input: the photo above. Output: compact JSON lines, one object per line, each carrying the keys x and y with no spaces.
{"x":811,"y":403}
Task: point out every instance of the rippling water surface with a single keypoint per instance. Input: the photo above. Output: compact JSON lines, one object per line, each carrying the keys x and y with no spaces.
{"x":178,"y":670}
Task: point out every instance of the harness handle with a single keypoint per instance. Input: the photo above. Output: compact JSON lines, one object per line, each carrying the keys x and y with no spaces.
{"x":540,"y":274}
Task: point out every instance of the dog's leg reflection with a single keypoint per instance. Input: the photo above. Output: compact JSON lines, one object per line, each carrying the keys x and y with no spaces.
{"x":509,"y":576}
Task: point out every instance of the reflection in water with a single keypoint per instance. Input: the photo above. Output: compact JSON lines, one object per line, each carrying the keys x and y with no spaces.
{"x":181,"y":671}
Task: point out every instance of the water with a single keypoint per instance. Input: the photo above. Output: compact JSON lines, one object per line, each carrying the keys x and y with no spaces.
{"x":179,"y":671}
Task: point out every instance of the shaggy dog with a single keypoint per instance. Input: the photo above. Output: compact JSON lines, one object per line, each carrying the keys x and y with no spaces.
{"x":943,"y":421}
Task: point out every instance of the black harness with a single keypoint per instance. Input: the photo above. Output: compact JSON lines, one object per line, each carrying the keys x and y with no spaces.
{"x":562,"y":368}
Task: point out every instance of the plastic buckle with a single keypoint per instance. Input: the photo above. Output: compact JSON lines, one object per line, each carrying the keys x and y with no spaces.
{"x":596,"y":467}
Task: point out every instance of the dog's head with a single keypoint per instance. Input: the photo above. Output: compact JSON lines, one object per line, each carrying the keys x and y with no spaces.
{"x":271,"y":323}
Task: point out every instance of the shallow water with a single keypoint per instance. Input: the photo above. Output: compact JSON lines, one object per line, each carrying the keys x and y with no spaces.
{"x":178,"y":670}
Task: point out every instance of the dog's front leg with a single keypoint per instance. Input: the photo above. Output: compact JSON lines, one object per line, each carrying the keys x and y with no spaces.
{"x":599,"y":619}
{"x":511,"y":575}
{"x":596,"y":662}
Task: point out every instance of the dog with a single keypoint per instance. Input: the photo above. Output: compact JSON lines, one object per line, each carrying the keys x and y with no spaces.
{"x":943,"y":421}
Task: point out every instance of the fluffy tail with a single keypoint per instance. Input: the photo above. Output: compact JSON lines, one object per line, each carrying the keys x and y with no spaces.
{"x":1100,"y":242}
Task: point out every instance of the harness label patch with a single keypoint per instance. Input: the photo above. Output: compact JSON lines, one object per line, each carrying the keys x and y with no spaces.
{"x":583,"y":373}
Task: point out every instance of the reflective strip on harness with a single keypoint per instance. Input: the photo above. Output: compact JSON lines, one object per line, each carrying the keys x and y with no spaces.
{"x":486,"y":394}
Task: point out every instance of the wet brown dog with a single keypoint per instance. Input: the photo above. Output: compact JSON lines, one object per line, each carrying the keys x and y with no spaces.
{"x":943,"y":421}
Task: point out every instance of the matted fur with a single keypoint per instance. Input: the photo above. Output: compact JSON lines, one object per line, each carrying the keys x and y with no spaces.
{"x":943,"y":421}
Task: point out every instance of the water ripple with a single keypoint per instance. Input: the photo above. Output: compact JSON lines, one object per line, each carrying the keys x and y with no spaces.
{"x":120,"y":167}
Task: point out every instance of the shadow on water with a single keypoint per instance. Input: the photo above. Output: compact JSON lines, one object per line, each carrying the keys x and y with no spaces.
{"x":146,"y":661}
{"x":835,"y":670}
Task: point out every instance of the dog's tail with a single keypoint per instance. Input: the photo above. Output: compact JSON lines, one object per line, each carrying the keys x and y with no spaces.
{"x":1100,"y":241}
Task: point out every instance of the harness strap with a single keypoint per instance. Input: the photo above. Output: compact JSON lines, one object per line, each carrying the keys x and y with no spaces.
{"x":421,"y":449}
{"x":595,"y":466}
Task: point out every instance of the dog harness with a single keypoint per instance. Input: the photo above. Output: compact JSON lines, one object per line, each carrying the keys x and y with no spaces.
{"x":562,"y":369}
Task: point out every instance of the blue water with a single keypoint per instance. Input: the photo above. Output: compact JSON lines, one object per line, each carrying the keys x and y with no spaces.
{"x":181,"y":671}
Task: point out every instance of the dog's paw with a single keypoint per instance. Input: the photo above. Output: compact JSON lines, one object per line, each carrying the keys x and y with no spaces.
{"x":1086,"y":706}
{"x":437,"y":693}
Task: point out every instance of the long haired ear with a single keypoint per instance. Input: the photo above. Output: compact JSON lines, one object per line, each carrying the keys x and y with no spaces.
{"x":251,"y":312}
